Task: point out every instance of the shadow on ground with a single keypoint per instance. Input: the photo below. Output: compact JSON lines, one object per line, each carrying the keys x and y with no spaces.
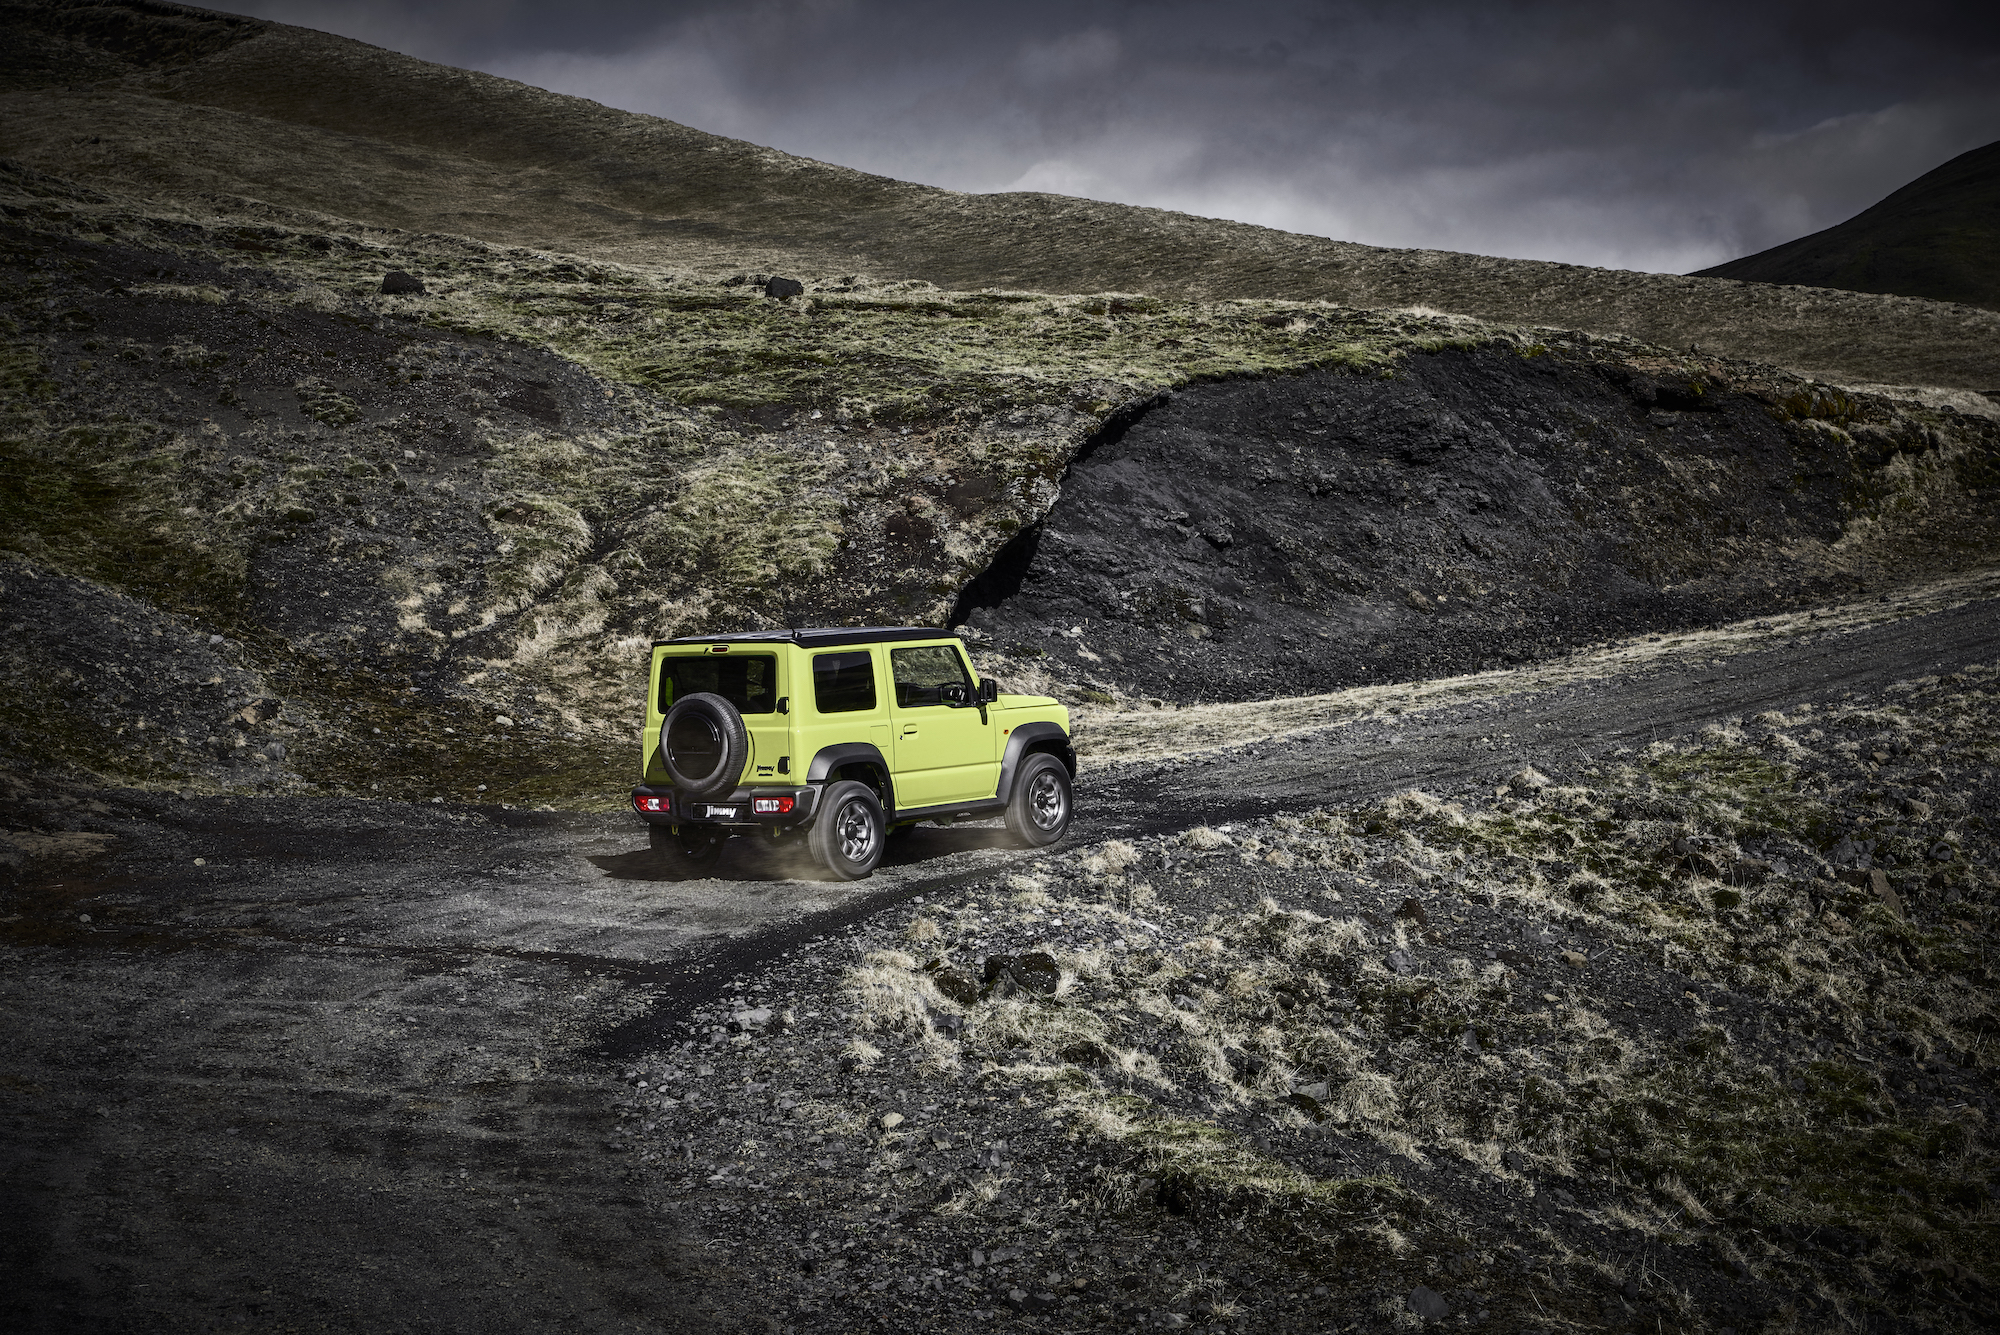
{"x":755,"y":860}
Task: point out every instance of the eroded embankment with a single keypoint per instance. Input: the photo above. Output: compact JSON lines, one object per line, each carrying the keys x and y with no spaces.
{"x":1473,"y":507}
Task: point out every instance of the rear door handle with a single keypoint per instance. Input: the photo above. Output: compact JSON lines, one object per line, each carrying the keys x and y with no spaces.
{"x":909,"y":732}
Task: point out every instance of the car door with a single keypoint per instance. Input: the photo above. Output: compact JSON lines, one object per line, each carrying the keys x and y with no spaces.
{"x":944,"y":746}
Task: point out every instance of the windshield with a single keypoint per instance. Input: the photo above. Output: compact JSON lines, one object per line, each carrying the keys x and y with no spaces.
{"x":748,"y":681}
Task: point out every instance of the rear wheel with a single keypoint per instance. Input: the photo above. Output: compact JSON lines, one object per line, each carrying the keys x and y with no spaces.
{"x":685,"y":851}
{"x":1038,"y":812}
{"x":847,"y":836}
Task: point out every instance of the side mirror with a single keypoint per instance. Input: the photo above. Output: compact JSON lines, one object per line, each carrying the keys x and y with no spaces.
{"x":989,"y":691}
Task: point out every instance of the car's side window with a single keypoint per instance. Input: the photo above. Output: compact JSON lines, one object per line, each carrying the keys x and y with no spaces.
{"x":844,"y":683}
{"x":929,"y":674}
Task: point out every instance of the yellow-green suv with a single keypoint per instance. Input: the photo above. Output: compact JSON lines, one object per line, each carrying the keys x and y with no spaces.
{"x":844,"y":737}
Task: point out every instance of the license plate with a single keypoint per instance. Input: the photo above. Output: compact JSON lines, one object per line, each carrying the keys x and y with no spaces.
{"x":722,"y":813}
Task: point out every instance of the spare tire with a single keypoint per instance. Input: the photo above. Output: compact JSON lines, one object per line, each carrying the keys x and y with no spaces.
{"x":704,"y":745}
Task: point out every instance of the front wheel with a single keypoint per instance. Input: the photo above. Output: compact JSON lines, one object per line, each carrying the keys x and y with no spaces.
{"x":685,"y":852}
{"x":1038,"y":812}
{"x":847,"y":837}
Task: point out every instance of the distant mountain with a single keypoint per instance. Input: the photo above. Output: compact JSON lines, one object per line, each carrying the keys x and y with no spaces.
{"x":1937,"y":238}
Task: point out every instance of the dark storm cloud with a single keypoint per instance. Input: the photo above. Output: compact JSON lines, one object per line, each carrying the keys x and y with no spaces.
{"x":1661,"y":137}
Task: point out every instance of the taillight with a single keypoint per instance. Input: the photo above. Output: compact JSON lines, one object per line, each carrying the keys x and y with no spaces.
{"x":771,"y":806}
{"x":653,"y":803}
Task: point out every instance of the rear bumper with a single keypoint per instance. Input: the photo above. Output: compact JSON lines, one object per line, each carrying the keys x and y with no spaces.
{"x":737,"y":811}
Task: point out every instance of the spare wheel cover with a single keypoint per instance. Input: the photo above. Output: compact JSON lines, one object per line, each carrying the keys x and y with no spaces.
{"x":703,"y":744}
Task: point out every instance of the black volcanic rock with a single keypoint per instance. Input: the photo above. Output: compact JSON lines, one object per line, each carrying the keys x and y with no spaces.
{"x":1937,"y":238}
{"x":779,"y":289}
{"x":396,"y":283}
{"x":1307,"y":533}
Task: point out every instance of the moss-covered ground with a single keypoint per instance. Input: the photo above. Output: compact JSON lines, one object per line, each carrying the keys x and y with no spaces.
{"x":1699,"y":1040}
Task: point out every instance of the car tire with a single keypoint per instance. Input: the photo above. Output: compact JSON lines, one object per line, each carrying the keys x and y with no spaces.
{"x":685,"y":852}
{"x":847,"y":836}
{"x":1039,"y":809}
{"x":704,"y":745}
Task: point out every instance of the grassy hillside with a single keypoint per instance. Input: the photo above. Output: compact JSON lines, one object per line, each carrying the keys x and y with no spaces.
{"x":260,"y":121}
{"x":1937,"y":238}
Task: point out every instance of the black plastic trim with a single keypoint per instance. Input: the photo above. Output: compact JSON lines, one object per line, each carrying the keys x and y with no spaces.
{"x":978,"y":810}
{"x":832,"y":758}
{"x":1019,"y":742}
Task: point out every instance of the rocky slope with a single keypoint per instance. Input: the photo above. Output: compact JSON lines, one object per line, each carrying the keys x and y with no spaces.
{"x":263,"y":122}
{"x":1691,"y":1036}
{"x":1296,"y":534}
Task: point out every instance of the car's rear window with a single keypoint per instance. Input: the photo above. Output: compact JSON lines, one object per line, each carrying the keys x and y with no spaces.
{"x":748,"y":681}
{"x":844,"y":683}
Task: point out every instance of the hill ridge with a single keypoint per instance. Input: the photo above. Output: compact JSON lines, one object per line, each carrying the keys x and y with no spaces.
{"x":298,"y":118}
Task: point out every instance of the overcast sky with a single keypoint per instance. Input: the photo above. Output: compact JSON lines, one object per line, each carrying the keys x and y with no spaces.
{"x":1665,"y":137}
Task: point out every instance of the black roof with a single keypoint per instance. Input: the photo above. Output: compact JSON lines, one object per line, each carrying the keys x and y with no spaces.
{"x":818,"y":637}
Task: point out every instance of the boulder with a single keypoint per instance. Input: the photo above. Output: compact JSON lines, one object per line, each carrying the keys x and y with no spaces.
{"x":783,"y":289}
{"x":396,"y":283}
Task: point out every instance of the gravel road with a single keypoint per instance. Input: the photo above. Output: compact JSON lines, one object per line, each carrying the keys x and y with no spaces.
{"x":345,"y":1065}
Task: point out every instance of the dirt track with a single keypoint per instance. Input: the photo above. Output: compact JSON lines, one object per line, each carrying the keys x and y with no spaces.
{"x":353,"y":1069}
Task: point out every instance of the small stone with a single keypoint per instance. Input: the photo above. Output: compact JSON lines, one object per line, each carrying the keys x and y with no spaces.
{"x":83,"y":917}
{"x":890,"y":1121}
{"x":956,"y":984}
{"x":502,"y":721}
{"x":1035,"y":972}
{"x":201,"y":862}
{"x":1428,"y":1304}
{"x":1529,"y":780}
{"x":781,"y":289}
{"x":1576,"y":959}
{"x":1414,"y":912}
{"x":396,"y":283}
{"x":1088,"y":1052}
{"x":1879,"y":883}
{"x":1400,"y":962}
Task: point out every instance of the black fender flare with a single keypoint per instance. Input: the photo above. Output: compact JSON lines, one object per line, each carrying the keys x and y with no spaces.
{"x":831,"y":758}
{"x":1029,"y":738}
